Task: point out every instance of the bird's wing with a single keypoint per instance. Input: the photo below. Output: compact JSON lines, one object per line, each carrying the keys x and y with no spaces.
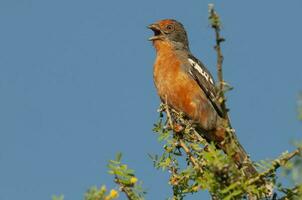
{"x":205,"y":80}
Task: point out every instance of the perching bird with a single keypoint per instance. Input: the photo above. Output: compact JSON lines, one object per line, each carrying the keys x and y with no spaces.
{"x":183,"y":82}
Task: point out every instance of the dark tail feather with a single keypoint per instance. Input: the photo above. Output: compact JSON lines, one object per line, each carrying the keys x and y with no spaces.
{"x":234,"y":148}
{"x":228,"y":142}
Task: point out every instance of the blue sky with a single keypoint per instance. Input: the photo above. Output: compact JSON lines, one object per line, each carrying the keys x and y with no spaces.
{"x":76,"y":86}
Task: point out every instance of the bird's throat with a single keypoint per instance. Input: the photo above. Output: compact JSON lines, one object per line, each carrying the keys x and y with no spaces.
{"x":163,"y":46}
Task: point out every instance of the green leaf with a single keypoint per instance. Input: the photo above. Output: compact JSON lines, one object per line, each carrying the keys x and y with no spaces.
{"x":118,"y":157}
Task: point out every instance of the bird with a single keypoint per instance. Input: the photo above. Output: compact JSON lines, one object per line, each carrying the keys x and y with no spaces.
{"x":186,"y":85}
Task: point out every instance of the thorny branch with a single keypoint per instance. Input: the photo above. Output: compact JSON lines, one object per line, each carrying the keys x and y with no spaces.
{"x":276,"y":164}
{"x":194,"y":138}
{"x":182,"y":144}
{"x":126,"y":189}
{"x":123,"y":188}
{"x":294,"y":192}
{"x":173,"y":115}
{"x":216,"y":25}
{"x":281,"y":161}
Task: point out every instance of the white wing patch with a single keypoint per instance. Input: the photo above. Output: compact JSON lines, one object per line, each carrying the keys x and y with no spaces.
{"x":201,"y":71}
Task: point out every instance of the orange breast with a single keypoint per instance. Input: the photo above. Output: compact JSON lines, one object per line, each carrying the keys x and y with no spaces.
{"x":181,"y":92}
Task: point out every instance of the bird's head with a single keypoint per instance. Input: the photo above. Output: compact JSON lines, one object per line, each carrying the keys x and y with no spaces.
{"x":169,"y":30}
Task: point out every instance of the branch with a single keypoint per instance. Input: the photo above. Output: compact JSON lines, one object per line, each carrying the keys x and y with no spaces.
{"x":281,"y":161}
{"x":295,"y":192}
{"x":126,"y":189}
{"x":188,"y":136}
{"x":182,"y":144}
{"x":125,"y":179}
{"x":216,"y":25}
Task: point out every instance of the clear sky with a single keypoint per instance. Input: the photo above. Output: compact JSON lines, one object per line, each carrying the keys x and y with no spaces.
{"x":76,"y":86}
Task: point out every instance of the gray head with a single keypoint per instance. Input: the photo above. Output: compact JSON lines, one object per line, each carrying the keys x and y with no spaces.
{"x":171,"y":30}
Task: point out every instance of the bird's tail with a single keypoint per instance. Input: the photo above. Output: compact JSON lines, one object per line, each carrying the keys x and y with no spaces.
{"x":226,"y":139}
{"x":231,"y":146}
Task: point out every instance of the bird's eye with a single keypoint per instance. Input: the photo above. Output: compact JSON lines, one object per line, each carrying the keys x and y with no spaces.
{"x":170,"y":27}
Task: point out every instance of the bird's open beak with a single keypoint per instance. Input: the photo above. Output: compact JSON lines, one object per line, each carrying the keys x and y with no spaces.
{"x":157,"y":32}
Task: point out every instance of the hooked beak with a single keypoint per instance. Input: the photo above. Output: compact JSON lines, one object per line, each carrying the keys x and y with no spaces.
{"x":156,"y":30}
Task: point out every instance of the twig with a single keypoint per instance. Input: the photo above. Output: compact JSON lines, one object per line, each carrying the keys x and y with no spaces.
{"x":190,"y":156}
{"x":182,"y":144}
{"x":295,"y":192}
{"x":169,"y":117}
{"x":198,"y":137}
{"x":276,"y":164}
{"x":216,"y":25}
{"x":128,"y":192}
